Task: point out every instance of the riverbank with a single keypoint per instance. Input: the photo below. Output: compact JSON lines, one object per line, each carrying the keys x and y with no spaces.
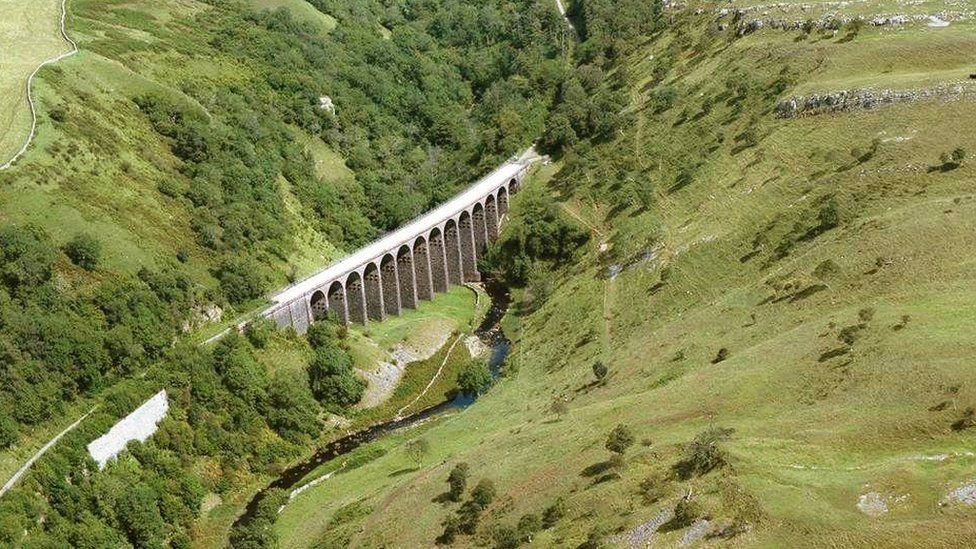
{"x":323,"y":464}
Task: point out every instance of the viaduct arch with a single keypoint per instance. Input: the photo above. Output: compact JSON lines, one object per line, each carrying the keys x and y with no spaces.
{"x":426,"y":256}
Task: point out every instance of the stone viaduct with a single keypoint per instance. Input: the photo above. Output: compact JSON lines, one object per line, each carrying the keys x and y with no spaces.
{"x":427,"y":255}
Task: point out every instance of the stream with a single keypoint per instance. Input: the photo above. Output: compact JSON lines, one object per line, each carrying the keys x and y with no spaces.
{"x":488,"y":331}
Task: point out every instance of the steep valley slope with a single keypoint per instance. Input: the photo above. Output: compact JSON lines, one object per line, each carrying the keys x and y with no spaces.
{"x":782,"y":300}
{"x":743,"y":279}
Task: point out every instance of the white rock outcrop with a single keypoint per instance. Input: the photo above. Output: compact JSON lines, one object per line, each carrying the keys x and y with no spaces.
{"x":139,"y":425}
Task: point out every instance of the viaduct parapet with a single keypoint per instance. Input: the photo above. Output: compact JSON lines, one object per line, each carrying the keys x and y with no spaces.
{"x":426,"y":256}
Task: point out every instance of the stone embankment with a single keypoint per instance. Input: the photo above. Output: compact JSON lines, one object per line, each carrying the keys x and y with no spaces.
{"x":801,"y":17}
{"x":863,"y":99}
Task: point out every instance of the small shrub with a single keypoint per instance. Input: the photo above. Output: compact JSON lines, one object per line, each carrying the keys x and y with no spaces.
{"x":652,"y":489}
{"x":594,"y":540}
{"x":686,"y":512}
{"x":866,"y":314}
{"x":905,"y":319}
{"x":474,"y":379}
{"x":826,"y":269}
{"x":259,"y":331}
{"x":468,"y":516}
{"x":967,"y":420}
{"x":850,"y":334}
{"x":722,"y":354}
{"x":829,"y":215}
{"x":600,"y":371}
{"x":662,"y":98}
{"x":8,"y":432}
{"x":528,"y":525}
{"x":170,"y":188}
{"x":620,"y":439}
{"x":554,"y":513}
{"x":484,"y":493}
{"x":954,"y":159}
{"x":505,"y":537}
{"x":559,"y":406}
{"x":84,"y":251}
{"x":854,"y":26}
{"x":417,"y":450}
{"x":458,"y":481}
{"x":452,"y":527}
{"x":58,"y":114}
{"x":703,"y":454}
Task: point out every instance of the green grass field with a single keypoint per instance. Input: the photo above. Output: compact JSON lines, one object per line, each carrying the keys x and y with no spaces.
{"x":847,"y":353}
{"x":302,"y":10}
{"x":29,"y":35}
{"x":456,"y":312}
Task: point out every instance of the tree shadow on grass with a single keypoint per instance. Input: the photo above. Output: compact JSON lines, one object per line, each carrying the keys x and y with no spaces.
{"x":403,"y":471}
{"x":588,"y":386}
{"x":596,"y":469}
{"x":444,"y":497}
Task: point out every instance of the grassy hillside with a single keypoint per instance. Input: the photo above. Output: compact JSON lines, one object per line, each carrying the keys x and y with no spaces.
{"x":29,"y":35}
{"x":302,"y":10}
{"x":97,"y":165}
{"x":794,"y":293}
{"x":184,"y":164}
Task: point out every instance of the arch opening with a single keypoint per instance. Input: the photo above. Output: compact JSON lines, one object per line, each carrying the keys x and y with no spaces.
{"x":319,"y":305}
{"x":374,"y":292}
{"x":479,"y":225}
{"x":406,"y":274}
{"x":337,"y":302}
{"x":452,"y":253}
{"x":491,"y":218}
{"x":502,"y":202}
{"x":423,"y":269}
{"x":469,"y":261}
{"x":391,"y":285}
{"x":355,"y":292}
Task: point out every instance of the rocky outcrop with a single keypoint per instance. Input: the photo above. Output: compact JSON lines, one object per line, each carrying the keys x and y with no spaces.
{"x":862,"y":99}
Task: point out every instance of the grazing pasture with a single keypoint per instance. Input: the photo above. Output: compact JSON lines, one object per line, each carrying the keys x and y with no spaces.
{"x":29,"y":35}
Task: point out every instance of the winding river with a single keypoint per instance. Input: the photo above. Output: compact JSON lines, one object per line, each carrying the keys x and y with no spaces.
{"x":488,"y":331}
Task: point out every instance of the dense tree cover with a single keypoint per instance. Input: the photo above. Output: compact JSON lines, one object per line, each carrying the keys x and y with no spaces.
{"x":228,"y":417}
{"x":537,"y":236}
{"x":474,"y":379}
{"x":428,"y":95}
{"x":56,"y":345}
{"x":609,"y":27}
{"x":330,"y":373}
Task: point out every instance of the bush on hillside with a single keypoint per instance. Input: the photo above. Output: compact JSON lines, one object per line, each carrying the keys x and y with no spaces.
{"x":483,"y":493}
{"x":332,"y":379}
{"x":8,"y":432}
{"x":458,"y":481}
{"x":554,"y":513}
{"x":259,"y":331}
{"x":620,"y":439}
{"x":600,"y":371}
{"x":536,"y":232}
{"x":240,"y":279}
{"x":474,"y":379}
{"x":84,"y":250}
{"x":703,"y":454}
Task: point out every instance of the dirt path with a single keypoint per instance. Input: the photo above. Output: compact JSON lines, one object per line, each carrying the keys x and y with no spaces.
{"x":562,"y":11}
{"x":384,"y":379}
{"x":37,"y":455}
{"x":430,"y":384}
{"x":30,"y":83}
{"x":607,"y":285}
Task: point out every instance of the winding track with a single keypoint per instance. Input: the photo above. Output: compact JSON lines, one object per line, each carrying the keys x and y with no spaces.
{"x":37,"y":455}
{"x":30,"y":83}
{"x":30,"y":136}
